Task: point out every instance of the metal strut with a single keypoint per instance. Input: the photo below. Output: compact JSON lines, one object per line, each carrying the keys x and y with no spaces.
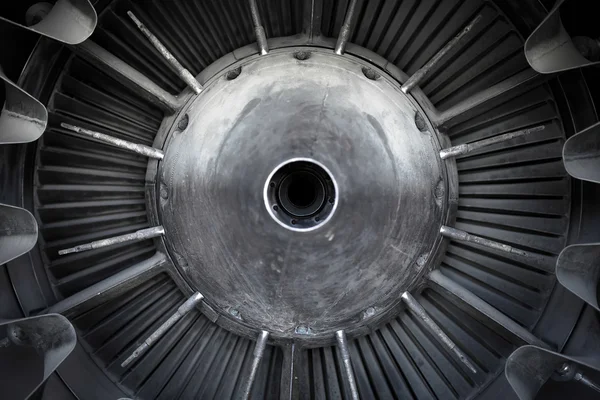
{"x":441,"y":280}
{"x":183,"y":73}
{"x":128,"y":76}
{"x":120,"y":143}
{"x":259,"y":30}
{"x":343,"y":345}
{"x":519,"y":81}
{"x":346,"y":30}
{"x":259,"y":351}
{"x":185,"y":308}
{"x":414,"y":306}
{"x":422,"y":72}
{"x":111,"y":287}
{"x":137,"y":236}
{"x":467,"y":148}
{"x":457,"y":234}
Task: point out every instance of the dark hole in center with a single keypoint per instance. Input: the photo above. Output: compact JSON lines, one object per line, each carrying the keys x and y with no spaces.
{"x":302,"y":191}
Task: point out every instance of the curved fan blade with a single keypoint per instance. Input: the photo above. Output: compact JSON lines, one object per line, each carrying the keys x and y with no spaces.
{"x":581,"y":154}
{"x":529,"y":367}
{"x":69,"y":21}
{"x":30,"y":350}
{"x":23,"y":118}
{"x":550,"y":49}
{"x":18,"y":232}
{"x":578,"y":269}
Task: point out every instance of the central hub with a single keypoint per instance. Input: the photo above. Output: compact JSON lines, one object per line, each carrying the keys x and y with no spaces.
{"x":302,"y":194}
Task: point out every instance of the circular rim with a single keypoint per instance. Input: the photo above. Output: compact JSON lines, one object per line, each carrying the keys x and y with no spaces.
{"x":364,"y":322}
{"x":276,"y":217}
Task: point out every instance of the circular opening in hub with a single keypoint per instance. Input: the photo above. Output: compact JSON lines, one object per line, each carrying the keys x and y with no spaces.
{"x":302,"y":190}
{"x":300,"y":194}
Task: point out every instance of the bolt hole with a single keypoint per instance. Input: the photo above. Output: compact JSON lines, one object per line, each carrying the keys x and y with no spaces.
{"x":234,"y":73}
{"x":370,"y":74}
{"x":331,"y":200}
{"x":183,"y":122}
{"x":302,"y":55}
{"x":420,"y":122}
{"x":301,"y":190}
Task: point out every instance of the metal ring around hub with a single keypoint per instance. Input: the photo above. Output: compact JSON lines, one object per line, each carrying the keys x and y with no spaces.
{"x":301,"y":218}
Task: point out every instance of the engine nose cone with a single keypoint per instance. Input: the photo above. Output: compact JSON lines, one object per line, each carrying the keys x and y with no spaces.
{"x":303,"y":193}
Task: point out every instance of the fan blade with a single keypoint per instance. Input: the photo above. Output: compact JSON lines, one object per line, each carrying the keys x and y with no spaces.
{"x":30,"y":350}
{"x":529,"y":367}
{"x":550,"y":49}
{"x":581,"y":154}
{"x":18,"y":232}
{"x":69,"y":21}
{"x":23,"y":118}
{"x":578,"y":270}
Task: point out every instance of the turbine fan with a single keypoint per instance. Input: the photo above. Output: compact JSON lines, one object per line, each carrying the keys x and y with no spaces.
{"x":300,"y":199}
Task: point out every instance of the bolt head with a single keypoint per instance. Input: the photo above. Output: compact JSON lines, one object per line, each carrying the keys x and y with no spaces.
{"x":302,"y":330}
{"x":369,"y":312}
{"x":439,"y":190}
{"x":164,"y":193}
